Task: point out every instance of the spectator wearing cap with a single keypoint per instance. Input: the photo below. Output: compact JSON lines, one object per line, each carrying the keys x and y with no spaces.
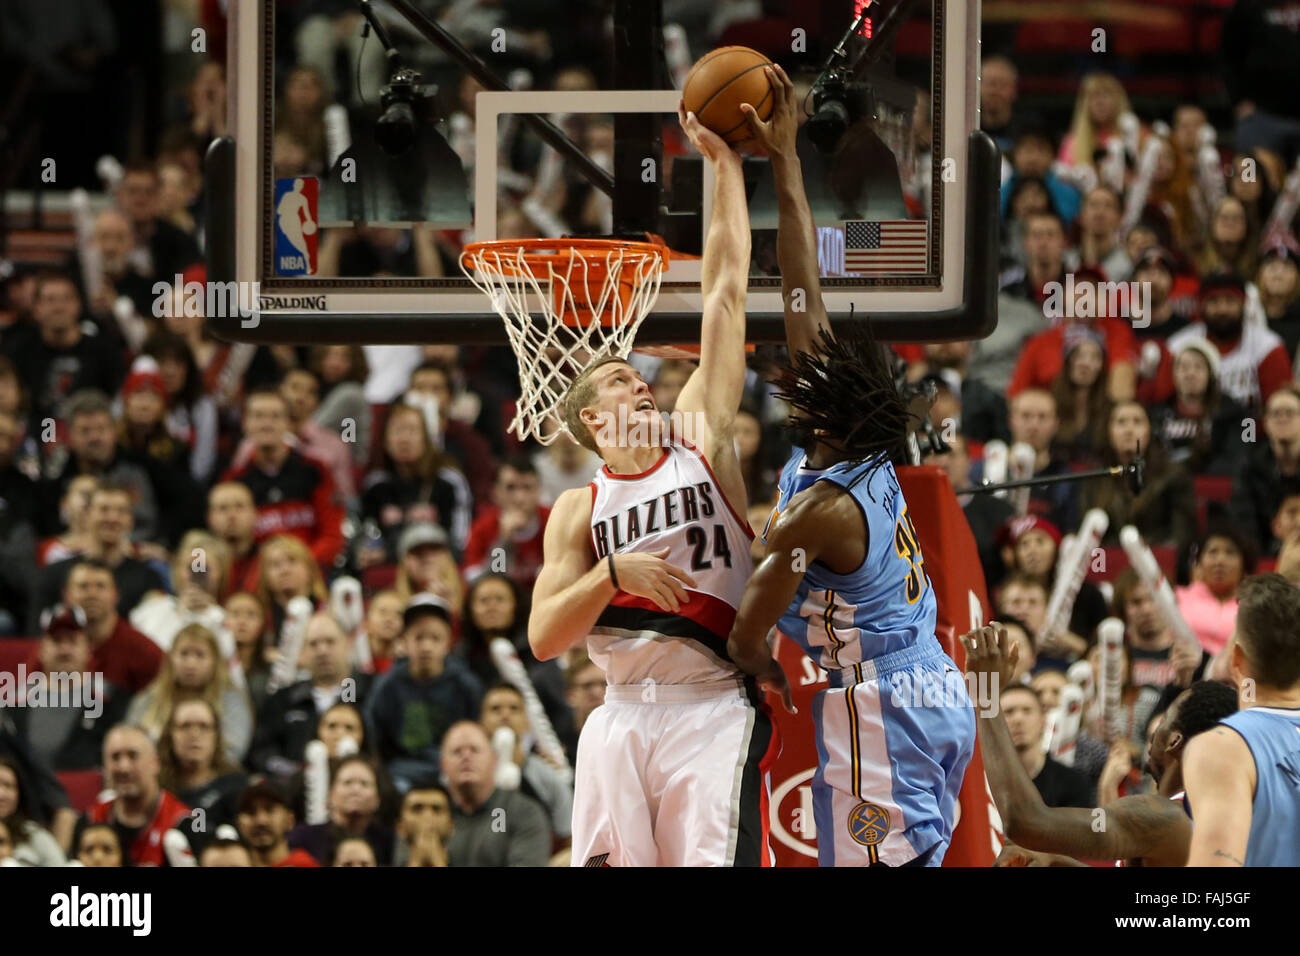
{"x":110,"y":544}
{"x":1043,"y":357}
{"x":507,"y":536}
{"x":66,"y":734}
{"x":1032,"y":545}
{"x":478,"y":807}
{"x":426,"y":565}
{"x":294,"y":493}
{"x":1099,"y":245}
{"x":1269,"y":465}
{"x":1080,"y":393}
{"x":415,"y":483}
{"x":17,"y":530}
{"x":1157,"y":271}
{"x":127,"y":658}
{"x":1253,"y":362}
{"x":265,"y":818}
{"x":288,"y":719}
{"x":1278,"y":282}
{"x":1222,"y":558}
{"x":135,"y":805}
{"x":1200,"y":425}
{"x":93,"y":449}
{"x":61,"y":358}
{"x":421,"y":696}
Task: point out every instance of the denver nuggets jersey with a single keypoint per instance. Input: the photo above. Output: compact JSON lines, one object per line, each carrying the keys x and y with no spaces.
{"x":1273,"y":735}
{"x":676,"y":504}
{"x":885,"y":605}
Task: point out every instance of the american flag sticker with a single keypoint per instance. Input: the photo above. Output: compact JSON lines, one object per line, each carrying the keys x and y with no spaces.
{"x":893,"y":247}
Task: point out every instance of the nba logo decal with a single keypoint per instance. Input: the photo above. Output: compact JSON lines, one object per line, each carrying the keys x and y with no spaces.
{"x":868,"y":824}
{"x":295,"y":225}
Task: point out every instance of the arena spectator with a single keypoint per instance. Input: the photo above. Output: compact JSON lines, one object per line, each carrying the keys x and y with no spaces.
{"x":1080,"y":391}
{"x":93,"y":450}
{"x":135,"y":805}
{"x":225,"y":851}
{"x":74,"y":512}
{"x":999,"y":81}
{"x":1153,"y":657}
{"x":65,"y":717}
{"x":127,"y":658}
{"x":354,"y":800}
{"x":246,"y":619}
{"x":61,"y":359}
{"x":98,"y":846}
{"x":1034,"y":421}
{"x":17,"y":531}
{"x":341,"y":371}
{"x":1286,"y":520}
{"x":1097,"y":109}
{"x":265,"y":819}
{"x":1200,"y":425}
{"x":164,"y":250}
{"x":198,"y":570}
{"x":195,"y":669}
{"x":469,"y":450}
{"x":1278,"y":281}
{"x":423,"y":828}
{"x":195,"y":765}
{"x":415,"y":483}
{"x":1057,"y":784}
{"x":1032,"y":151}
{"x":1268,"y":463}
{"x":413,"y":705}
{"x":110,"y":544}
{"x":1157,"y":270}
{"x":1031,"y":544}
{"x":33,"y":844}
{"x":1099,"y":245}
{"x":354,"y":851}
{"x":376,"y":645}
{"x":563,"y":464}
{"x":343,"y":731}
{"x":507,"y":536}
{"x":1044,"y":256}
{"x":288,"y":719}
{"x":191,"y":413}
{"x":294,"y":494}
{"x":287,"y":571}
{"x":119,"y":271}
{"x":426,"y":565}
{"x":469,"y":767}
{"x":1223,"y":557}
{"x":984,"y":513}
{"x":983,"y":411}
{"x":232,"y":517}
{"x":503,"y":706}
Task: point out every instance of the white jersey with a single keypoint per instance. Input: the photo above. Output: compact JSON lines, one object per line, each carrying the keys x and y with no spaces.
{"x":675,"y":504}
{"x":1238,"y":369}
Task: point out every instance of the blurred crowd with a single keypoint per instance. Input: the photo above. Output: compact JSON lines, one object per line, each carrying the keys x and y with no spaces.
{"x":262,"y":549}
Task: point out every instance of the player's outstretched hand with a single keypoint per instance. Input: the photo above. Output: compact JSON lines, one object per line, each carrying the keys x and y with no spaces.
{"x":709,"y":144}
{"x":777,"y":135}
{"x":990,"y":650}
{"x":648,"y":575}
{"x":774,"y":679}
{"x":1013,"y":855}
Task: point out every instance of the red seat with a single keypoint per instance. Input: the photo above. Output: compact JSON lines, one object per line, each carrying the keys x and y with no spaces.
{"x":1210,"y":488}
{"x":378,"y":578}
{"x":82,"y":786}
{"x":1055,"y":36}
{"x":14,"y":651}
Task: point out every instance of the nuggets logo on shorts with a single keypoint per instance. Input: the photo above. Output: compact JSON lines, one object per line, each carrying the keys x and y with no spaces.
{"x":868,"y":824}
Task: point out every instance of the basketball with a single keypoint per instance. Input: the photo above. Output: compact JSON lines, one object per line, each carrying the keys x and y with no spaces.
{"x":722,"y":80}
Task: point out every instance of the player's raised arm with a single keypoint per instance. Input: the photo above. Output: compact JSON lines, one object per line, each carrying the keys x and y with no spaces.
{"x":796,"y":235}
{"x":1220,"y":776}
{"x":573,"y":587}
{"x":1148,"y":826}
{"x":712,"y":394}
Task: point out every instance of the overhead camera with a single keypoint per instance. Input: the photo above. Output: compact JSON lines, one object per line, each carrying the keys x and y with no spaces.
{"x":838,"y":102}
{"x":400,"y":102}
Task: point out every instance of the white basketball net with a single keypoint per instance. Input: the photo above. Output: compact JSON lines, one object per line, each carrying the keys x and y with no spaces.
{"x":550,"y":353}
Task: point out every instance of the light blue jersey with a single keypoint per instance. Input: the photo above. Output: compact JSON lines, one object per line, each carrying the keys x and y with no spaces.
{"x":895,"y":729}
{"x":1273,"y":735}
{"x":885,"y":605}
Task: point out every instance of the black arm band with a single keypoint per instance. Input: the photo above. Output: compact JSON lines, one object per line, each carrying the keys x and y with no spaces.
{"x":613,"y":576}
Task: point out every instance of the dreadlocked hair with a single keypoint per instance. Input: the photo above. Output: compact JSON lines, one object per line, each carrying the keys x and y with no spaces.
{"x":847,"y":397}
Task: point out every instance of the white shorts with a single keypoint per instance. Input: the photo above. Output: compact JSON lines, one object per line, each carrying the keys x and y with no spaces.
{"x":680,"y":780}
